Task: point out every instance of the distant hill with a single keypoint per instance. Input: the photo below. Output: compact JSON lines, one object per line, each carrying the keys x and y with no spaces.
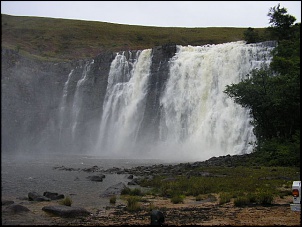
{"x":64,"y":39}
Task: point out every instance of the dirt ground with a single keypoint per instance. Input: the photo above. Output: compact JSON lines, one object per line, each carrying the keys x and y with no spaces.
{"x":190,"y":212}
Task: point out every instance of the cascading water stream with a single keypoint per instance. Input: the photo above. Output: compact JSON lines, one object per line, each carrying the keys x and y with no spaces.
{"x":124,"y":104}
{"x":77,"y":103}
{"x":63,"y":104}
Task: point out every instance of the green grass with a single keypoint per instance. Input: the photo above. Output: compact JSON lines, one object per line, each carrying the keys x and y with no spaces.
{"x":133,"y":203}
{"x":246,"y":185}
{"x":63,"y":39}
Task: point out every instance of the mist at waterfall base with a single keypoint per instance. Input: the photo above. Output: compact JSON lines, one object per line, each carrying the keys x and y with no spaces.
{"x":192,"y":121}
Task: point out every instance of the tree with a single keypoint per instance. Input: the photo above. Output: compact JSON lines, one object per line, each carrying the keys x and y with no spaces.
{"x":251,"y":36}
{"x":273,"y":94}
{"x":281,"y":23}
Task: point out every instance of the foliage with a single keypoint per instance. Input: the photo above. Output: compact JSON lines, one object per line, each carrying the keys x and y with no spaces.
{"x":251,"y":35}
{"x":112,"y":199}
{"x":273,"y":95}
{"x":67,"y":201}
{"x":224,"y":197}
{"x":177,"y":199}
{"x":129,"y":191}
{"x":241,"y":201}
{"x":132,"y":203}
{"x":281,"y":23}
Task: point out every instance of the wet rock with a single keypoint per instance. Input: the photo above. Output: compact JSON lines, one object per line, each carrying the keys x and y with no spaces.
{"x":91,"y":169}
{"x":16,"y":208}
{"x":53,"y":195}
{"x":66,"y":211}
{"x":34,"y":196}
{"x":98,"y":178}
{"x":113,"y":190}
{"x":7,"y":202}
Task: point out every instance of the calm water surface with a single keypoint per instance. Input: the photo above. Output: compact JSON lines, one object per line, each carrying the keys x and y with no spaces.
{"x":24,"y":174}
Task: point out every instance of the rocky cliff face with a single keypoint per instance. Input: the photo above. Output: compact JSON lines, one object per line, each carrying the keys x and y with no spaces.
{"x":33,"y":94}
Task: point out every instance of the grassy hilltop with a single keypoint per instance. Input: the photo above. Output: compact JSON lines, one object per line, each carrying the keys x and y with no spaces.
{"x":64,"y":39}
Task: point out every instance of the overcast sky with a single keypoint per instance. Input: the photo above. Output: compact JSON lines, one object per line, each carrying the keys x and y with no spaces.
{"x":157,"y":13}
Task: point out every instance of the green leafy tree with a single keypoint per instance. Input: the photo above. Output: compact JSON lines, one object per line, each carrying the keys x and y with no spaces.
{"x":281,"y":23}
{"x":251,"y":36}
{"x":273,"y":94}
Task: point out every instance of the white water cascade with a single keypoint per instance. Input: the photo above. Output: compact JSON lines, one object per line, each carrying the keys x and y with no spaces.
{"x":197,"y":120}
{"x":124,"y":104}
{"x":62,"y":108}
{"x":77,"y":103}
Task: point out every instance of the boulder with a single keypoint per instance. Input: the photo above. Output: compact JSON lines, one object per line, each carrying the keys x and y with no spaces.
{"x":16,"y":208}
{"x":7,"y":202}
{"x":53,"y":195}
{"x":98,"y":178}
{"x":66,"y":211}
{"x":114,"y":190}
{"x":34,"y":196}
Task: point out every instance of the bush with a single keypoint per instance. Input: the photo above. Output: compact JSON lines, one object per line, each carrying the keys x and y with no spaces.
{"x":251,"y":35}
{"x":126,"y":191}
{"x":132,"y":203}
{"x":134,"y":192}
{"x":67,"y":201}
{"x":224,"y":197}
{"x":265,"y":198}
{"x":112,"y":199}
{"x":177,"y":199}
{"x":241,"y":201}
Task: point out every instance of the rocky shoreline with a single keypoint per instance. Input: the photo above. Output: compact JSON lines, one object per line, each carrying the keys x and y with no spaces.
{"x":206,"y":212}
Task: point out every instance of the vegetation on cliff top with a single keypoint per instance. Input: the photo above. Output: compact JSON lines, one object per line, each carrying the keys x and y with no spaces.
{"x":63,"y":39}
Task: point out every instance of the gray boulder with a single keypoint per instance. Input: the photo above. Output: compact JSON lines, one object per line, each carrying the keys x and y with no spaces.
{"x":114,"y":190}
{"x":34,"y":196}
{"x":66,"y":211}
{"x":16,"y":208}
{"x":98,"y":178}
{"x":53,"y":195}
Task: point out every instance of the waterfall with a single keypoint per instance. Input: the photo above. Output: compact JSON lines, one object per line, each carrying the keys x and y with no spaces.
{"x":77,"y":103}
{"x":197,"y":120}
{"x":63,"y":105}
{"x":124,"y":104}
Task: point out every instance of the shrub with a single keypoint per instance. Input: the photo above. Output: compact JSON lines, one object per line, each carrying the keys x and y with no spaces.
{"x":112,"y":199}
{"x":132,"y":203}
{"x":252,"y":197}
{"x":177,"y":199}
{"x":224,"y":197}
{"x":67,"y":201}
{"x":126,"y":191}
{"x":134,"y":192}
{"x":241,"y":201}
{"x":265,"y":198}
{"x":199,"y":197}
